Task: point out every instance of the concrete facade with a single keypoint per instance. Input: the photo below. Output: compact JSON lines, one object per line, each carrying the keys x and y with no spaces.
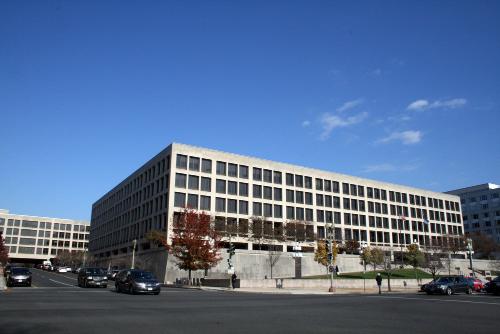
{"x":41,"y":238}
{"x":481,"y":209}
{"x":235,"y":189}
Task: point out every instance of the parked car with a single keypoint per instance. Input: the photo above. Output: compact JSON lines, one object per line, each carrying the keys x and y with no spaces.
{"x":137,"y":281}
{"x":63,"y":269}
{"x":19,"y":276}
{"x":88,"y":277}
{"x":475,"y":283}
{"x":424,"y":286}
{"x":449,"y":285}
{"x":493,"y":286}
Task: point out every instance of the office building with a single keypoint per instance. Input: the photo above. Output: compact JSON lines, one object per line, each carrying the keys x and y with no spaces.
{"x":234,"y":188}
{"x":33,"y":238}
{"x":481,"y":209}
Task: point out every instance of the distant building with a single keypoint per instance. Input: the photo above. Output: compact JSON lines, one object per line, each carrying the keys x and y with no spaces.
{"x":234,"y":188}
{"x":481,"y":209}
{"x":33,"y":238}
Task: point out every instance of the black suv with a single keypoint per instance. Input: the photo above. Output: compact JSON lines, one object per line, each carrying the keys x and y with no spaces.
{"x":136,"y":281}
{"x":88,"y":277}
{"x":448,"y":285}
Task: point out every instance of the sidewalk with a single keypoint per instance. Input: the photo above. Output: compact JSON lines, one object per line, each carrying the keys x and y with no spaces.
{"x":290,"y":291}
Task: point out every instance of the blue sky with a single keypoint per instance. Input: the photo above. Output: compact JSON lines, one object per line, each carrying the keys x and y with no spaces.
{"x":406,"y":92}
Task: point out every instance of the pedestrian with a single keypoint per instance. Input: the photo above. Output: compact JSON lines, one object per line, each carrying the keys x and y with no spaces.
{"x":233,"y":280}
{"x":337,"y":270}
{"x":379,"y":283}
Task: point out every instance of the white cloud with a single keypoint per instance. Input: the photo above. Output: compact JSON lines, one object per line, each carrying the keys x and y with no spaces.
{"x":376,"y":72}
{"x":330,"y":122}
{"x":306,"y":123}
{"x":438,"y":104}
{"x":418,"y":105}
{"x":349,"y":105}
{"x":406,"y":137}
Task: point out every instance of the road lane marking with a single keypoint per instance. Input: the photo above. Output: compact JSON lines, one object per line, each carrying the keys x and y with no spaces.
{"x":436,"y":300}
{"x":53,"y":280}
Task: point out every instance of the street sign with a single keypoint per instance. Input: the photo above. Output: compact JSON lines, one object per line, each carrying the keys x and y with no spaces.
{"x":331,"y":269}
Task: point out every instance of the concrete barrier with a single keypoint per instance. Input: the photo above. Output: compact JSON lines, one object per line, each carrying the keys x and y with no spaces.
{"x":289,"y":283}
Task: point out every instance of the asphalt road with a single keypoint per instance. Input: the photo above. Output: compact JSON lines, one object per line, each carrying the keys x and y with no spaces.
{"x":56,"y":305}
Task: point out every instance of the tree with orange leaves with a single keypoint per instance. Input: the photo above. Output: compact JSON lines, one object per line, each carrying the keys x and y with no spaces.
{"x":194,"y":242}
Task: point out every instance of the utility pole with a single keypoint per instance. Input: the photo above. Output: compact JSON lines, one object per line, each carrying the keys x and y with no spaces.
{"x":330,"y":256}
{"x":134,"y":243}
{"x":470,"y":251}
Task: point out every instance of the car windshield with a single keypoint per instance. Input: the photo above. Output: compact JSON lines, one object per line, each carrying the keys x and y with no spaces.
{"x":20,"y":271}
{"x":94,"y":271}
{"x":142,"y":274}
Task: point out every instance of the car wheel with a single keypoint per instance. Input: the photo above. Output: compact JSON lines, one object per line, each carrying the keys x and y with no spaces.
{"x":85,"y":284}
{"x":131,"y":290}
{"x":469,"y":291}
{"x":449,"y":291}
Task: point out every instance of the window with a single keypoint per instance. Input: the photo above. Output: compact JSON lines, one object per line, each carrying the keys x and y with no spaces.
{"x":278,"y":211}
{"x":29,"y":224}
{"x":290,"y":212}
{"x":243,"y":189}
{"x":277,"y":177}
{"x":289,"y":179}
{"x":205,"y":203}
{"x":268,"y":176}
{"x":181,"y":161}
{"x":206,"y":166}
{"x":193,"y":182}
{"x":257,"y":209}
{"x":328,"y":185}
{"x":180,"y":200}
{"x":220,"y":186}
{"x":232,"y":188}
{"x":361,"y":191}
{"x":347,"y":204}
{"x":180,"y":180}
{"x":308,"y":198}
{"x":319,"y":184}
{"x":243,"y":207}
{"x":328,"y":201}
{"x":289,"y":196}
{"x":320,"y":216}
{"x":243,"y":172}
{"x":299,"y":197}
{"x":232,"y":170}
{"x":319,"y":200}
{"x":221,"y":168}
{"x":257,"y":191}
{"x":309,"y":215}
{"x":308,"y":182}
{"x":299,"y":213}
{"x":277,"y":194}
{"x":354,"y":190}
{"x":268,"y":210}
{"x":268,"y":193}
{"x":220,"y":204}
{"x":194,"y":164}
{"x":192,"y":201}
{"x":206,"y":184}
{"x":345,"y":188}
{"x":299,"y":181}
{"x":257,"y":174}
{"x":232,"y":206}
{"x":336,"y":202}
{"x":335,"y":187}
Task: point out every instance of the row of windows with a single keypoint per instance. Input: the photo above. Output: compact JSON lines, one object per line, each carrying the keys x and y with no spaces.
{"x":42,"y":234}
{"x":43,"y":225}
{"x":480,"y":198}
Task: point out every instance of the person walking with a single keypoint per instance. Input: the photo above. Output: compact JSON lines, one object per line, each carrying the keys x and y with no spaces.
{"x":379,"y":283}
{"x":233,"y":280}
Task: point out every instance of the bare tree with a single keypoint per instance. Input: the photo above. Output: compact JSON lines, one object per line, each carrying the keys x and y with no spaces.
{"x":434,"y":263}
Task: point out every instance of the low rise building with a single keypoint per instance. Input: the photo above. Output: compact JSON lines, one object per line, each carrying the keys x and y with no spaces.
{"x":234,"y":189}
{"x":33,"y":238}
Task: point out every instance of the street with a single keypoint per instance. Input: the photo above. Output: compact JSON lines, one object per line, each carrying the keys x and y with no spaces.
{"x":56,"y":305}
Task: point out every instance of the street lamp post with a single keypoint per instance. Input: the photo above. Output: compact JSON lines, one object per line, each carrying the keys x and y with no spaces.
{"x":402,"y":218}
{"x":134,"y":243}
{"x":362,"y":246}
{"x":470,"y":251}
{"x":330,"y":255}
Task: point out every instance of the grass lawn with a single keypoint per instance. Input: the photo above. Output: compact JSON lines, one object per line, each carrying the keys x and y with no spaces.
{"x":396,"y":273}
